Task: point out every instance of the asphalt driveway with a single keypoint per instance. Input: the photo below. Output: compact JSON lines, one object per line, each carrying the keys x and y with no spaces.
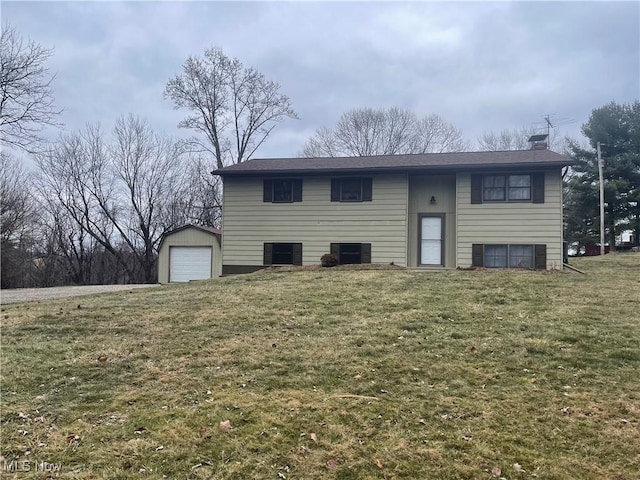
{"x":34,"y":294}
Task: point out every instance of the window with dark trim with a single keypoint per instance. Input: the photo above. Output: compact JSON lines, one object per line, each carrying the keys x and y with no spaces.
{"x":282,"y":190}
{"x":509,"y":256}
{"x":351,"y":189}
{"x":520,"y":187}
{"x":352,"y":253}
{"x":282,"y":254}
{"x":510,"y":188}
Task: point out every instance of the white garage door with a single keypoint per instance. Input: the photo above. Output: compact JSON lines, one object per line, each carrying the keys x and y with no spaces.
{"x":189,"y":263}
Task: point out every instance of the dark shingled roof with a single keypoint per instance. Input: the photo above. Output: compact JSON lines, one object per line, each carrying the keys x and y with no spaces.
{"x":384,"y":163}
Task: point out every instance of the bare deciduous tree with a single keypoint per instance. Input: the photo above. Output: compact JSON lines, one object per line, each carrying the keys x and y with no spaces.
{"x":119,"y":193}
{"x":149,"y":172}
{"x":203,"y":199}
{"x":65,"y":252}
{"x":235,"y":107}
{"x":17,"y":209}
{"x":513,"y":139}
{"x":368,"y":131}
{"x":26,"y":93}
{"x":506,"y":139}
{"x":18,"y":217}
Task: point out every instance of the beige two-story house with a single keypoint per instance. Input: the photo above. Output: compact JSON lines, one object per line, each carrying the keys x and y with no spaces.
{"x":447,"y":210}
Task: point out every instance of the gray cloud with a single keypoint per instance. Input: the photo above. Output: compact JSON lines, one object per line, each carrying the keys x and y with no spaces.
{"x":480,"y":65}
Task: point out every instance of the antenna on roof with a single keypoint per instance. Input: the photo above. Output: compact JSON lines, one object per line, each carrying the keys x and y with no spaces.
{"x":551,"y":122}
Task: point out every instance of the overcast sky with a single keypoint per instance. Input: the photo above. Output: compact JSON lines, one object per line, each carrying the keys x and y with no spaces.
{"x":480,"y":65}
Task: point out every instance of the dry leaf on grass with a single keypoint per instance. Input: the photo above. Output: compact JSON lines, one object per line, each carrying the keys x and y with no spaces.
{"x":377,"y":462}
{"x":225,"y":425}
{"x":517,"y":467}
{"x":496,"y":472}
{"x":314,"y":437}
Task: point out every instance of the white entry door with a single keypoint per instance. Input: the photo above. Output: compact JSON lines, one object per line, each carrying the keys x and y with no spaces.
{"x":431,"y":240}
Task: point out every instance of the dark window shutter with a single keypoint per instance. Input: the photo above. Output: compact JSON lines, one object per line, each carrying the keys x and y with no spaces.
{"x":367,"y":190}
{"x":335,"y":189}
{"x":297,"y":254}
{"x":267,"y":191}
{"x":537,"y":187}
{"x":476,"y":188}
{"x":477,"y":255}
{"x":335,"y":250}
{"x":297,"y":190}
{"x":365,"y":253}
{"x":541,"y":257}
{"x":268,"y":254}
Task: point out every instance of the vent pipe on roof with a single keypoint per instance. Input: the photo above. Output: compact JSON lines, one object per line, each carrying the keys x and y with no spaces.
{"x":538,"y":142}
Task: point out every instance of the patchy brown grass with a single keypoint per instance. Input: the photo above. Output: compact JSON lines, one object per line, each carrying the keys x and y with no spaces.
{"x":333,"y":373}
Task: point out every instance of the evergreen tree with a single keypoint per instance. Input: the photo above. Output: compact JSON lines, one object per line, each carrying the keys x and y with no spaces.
{"x":617,"y":128}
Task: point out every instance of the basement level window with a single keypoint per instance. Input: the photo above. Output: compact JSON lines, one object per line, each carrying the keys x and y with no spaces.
{"x":508,"y":256}
{"x":282,"y":254}
{"x":352,"y":253}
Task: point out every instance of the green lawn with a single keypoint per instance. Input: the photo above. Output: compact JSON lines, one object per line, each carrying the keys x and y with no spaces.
{"x":333,"y":373}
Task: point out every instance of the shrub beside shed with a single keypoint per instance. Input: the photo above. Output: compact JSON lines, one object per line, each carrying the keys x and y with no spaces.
{"x":191,"y":252}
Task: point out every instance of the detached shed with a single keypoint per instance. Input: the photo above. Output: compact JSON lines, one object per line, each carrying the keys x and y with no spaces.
{"x":191,"y":252}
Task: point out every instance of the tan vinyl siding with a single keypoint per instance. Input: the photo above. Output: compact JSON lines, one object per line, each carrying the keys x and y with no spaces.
{"x":316,"y":222}
{"x":510,"y":222}
{"x":189,"y":237}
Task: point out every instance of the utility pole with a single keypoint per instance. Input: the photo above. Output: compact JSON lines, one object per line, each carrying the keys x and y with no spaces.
{"x":600,"y":174}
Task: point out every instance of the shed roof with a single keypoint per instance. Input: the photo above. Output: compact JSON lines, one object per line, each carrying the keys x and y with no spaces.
{"x":410,"y":162}
{"x":211,"y":230}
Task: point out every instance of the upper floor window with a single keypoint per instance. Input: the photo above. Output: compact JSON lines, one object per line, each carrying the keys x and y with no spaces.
{"x":508,"y":188}
{"x":351,"y":189}
{"x":498,"y":188}
{"x":282,"y":190}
